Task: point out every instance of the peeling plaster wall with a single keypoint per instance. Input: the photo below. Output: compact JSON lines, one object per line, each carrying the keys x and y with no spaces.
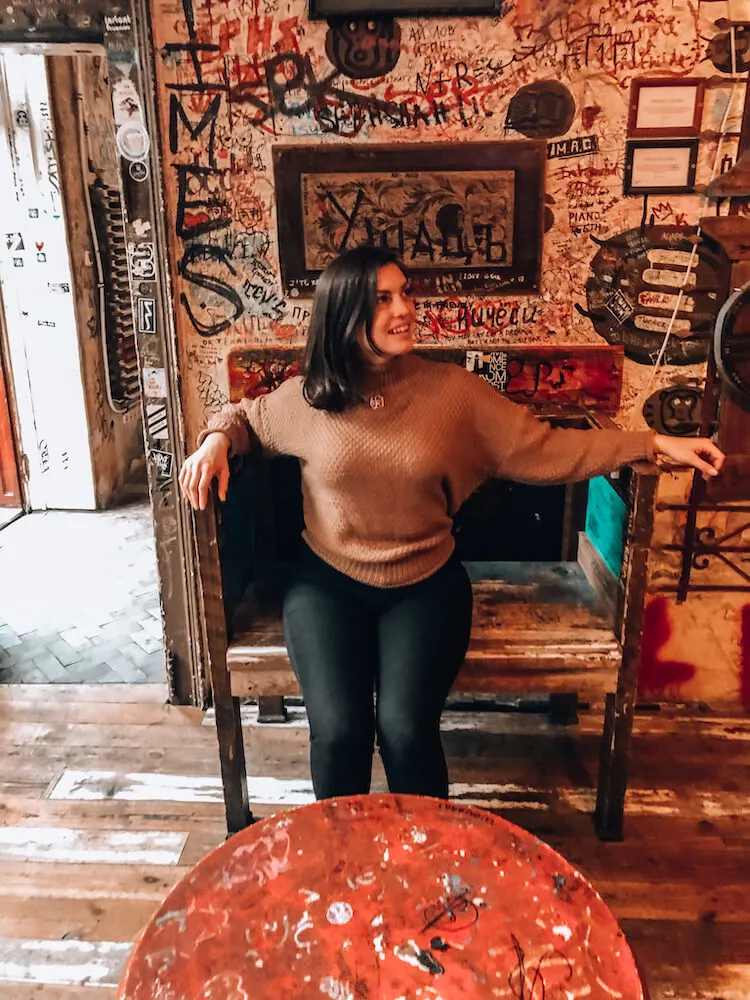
{"x":236,"y":80}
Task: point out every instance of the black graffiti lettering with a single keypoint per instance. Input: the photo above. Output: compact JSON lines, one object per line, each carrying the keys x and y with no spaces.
{"x":384,"y":236}
{"x":461,"y":114}
{"x":419,"y":115}
{"x":483,"y":234}
{"x":439,"y":112}
{"x":283,"y":89}
{"x":198,"y":252}
{"x":462,"y":75}
{"x":422,"y":242}
{"x":196,"y":216}
{"x":349,"y":219}
{"x":193,"y":48}
{"x":177,"y":114}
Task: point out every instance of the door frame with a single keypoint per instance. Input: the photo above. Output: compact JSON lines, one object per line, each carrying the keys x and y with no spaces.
{"x":121,"y":31}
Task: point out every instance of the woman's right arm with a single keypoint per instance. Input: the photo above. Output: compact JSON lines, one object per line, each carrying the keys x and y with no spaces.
{"x":209,"y":462}
{"x":235,"y":429}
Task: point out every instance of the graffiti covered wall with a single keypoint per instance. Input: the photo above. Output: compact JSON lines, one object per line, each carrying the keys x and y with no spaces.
{"x":237,"y":81}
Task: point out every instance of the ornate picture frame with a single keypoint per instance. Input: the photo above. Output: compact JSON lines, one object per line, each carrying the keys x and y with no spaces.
{"x":463,"y":218}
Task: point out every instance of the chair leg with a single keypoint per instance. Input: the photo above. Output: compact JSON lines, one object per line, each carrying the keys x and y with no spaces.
{"x":232,"y":760}
{"x":613,"y":768}
{"x":271,"y":708}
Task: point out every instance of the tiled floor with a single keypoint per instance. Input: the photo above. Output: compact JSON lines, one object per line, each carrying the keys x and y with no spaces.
{"x":79,"y":598}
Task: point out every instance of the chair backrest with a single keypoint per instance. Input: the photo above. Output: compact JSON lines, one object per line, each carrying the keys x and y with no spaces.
{"x":259,"y":525}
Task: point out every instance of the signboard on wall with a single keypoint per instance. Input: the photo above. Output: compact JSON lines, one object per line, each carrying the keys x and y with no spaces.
{"x":462,"y":218}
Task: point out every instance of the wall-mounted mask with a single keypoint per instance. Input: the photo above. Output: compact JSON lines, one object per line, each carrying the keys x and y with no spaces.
{"x":364,"y":48}
{"x":675,"y":410}
{"x":541,"y":110}
{"x":720,"y":50}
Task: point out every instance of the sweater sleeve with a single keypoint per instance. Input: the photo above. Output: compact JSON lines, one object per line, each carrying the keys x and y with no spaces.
{"x":268,"y":419}
{"x":518,"y":446}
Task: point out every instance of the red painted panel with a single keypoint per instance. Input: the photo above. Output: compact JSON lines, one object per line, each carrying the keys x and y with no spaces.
{"x":377,"y":898}
{"x":571,"y":377}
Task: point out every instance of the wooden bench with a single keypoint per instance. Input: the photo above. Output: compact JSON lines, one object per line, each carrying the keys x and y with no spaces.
{"x":568,"y":629}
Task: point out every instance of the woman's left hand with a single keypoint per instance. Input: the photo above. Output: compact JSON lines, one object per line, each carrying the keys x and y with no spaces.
{"x":701,"y":453}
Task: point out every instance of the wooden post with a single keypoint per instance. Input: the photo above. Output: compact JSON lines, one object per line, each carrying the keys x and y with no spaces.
{"x":227,"y":708}
{"x":618,"y":722}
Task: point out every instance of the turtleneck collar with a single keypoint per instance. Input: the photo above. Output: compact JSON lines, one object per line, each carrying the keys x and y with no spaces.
{"x":384,"y":376}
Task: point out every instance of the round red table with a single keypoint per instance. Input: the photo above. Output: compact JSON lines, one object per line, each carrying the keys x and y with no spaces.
{"x":382,"y":897}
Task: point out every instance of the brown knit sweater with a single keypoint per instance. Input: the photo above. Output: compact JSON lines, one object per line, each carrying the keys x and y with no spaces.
{"x":381,"y":483}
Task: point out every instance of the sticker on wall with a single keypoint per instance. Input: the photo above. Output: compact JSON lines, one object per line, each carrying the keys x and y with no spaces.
{"x":14,"y":242}
{"x":146,"y":315}
{"x":156,"y":421}
{"x":675,"y":410}
{"x":163,"y":462}
{"x":564,"y":149}
{"x":117,"y":24}
{"x":126,"y":104}
{"x":132,"y":141}
{"x":633,"y":288}
{"x":154,"y":382}
{"x":364,"y":48}
{"x":138,"y":170}
{"x":18,"y":262}
{"x":492,"y":366}
{"x":41,"y":257}
{"x":59,"y":287}
{"x":141,"y":261}
{"x":33,"y":213}
{"x":254,"y":373}
{"x":541,"y":110}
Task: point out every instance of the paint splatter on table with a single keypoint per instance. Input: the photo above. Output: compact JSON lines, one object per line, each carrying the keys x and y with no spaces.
{"x":382,"y":897}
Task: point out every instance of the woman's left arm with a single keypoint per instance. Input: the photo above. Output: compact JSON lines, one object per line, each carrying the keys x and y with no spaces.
{"x":518,"y":446}
{"x":701,"y":453}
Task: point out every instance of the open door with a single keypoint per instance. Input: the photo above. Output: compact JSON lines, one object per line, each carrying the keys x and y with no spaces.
{"x":43,"y":343}
{"x":10,"y":489}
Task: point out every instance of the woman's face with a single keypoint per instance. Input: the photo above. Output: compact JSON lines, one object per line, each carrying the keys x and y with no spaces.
{"x":395,"y":317}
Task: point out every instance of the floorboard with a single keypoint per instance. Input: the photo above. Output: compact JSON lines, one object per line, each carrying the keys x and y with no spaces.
{"x":109,"y":796}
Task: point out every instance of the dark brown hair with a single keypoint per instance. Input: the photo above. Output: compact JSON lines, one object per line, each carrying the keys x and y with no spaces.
{"x":344,"y":305}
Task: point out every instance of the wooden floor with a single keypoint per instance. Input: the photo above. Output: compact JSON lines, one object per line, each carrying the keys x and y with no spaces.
{"x":108,"y":796}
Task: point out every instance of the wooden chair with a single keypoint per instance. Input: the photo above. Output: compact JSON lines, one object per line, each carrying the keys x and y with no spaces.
{"x":537,"y":628}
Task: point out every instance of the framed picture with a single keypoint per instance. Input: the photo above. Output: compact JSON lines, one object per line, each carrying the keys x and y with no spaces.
{"x":322,"y":9}
{"x":665,"y":107}
{"x":665,"y":167}
{"x":463,"y":218}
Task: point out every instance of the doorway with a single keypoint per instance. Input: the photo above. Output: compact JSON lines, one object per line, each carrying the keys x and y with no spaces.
{"x":79,"y":591}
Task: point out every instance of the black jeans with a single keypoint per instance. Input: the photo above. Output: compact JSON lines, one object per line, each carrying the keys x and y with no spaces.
{"x":348,"y":641}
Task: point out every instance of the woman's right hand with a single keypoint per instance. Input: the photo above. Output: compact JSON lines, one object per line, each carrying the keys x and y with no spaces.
{"x":209,"y":462}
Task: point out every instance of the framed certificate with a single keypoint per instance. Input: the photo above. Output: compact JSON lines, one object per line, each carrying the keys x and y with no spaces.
{"x":666,"y":167}
{"x":665,"y":107}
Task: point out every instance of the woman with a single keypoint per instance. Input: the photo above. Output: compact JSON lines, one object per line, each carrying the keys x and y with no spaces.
{"x":390,"y":446}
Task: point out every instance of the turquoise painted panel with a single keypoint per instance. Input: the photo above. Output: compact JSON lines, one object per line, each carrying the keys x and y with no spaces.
{"x":605,"y":522}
